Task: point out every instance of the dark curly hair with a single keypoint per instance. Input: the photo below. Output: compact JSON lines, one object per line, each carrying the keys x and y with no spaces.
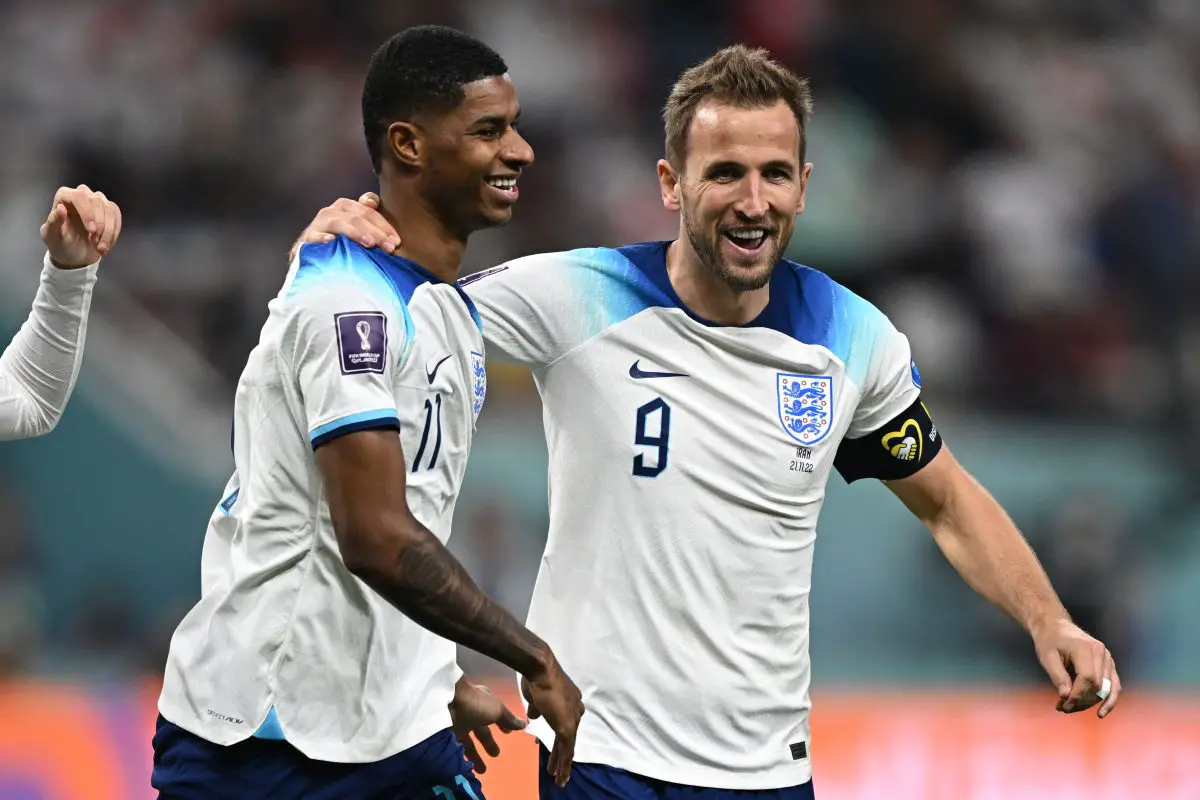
{"x":421,"y":70}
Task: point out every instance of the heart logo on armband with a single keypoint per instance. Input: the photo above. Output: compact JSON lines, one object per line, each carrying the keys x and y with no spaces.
{"x":907,"y":443}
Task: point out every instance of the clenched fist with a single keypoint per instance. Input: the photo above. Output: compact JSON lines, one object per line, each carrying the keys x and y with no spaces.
{"x":81,"y":228}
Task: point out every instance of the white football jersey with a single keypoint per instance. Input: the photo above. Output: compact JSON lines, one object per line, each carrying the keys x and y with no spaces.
{"x":356,"y":339}
{"x":688,"y":465}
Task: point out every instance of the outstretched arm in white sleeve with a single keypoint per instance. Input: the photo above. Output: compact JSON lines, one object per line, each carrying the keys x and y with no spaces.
{"x":39,"y":367}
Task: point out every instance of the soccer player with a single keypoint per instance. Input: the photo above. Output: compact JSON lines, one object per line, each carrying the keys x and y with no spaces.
{"x":320,"y":659}
{"x":39,"y":367}
{"x":698,"y":395}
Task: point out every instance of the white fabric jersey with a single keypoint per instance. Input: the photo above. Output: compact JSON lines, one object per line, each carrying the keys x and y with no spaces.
{"x":356,"y":339}
{"x":688,"y":465}
{"x":40,"y":365}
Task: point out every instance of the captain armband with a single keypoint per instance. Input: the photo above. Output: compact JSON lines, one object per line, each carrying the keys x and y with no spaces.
{"x":896,"y":450}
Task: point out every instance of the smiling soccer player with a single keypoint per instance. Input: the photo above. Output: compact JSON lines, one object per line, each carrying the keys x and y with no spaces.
{"x":714,"y":387}
{"x":320,"y":659}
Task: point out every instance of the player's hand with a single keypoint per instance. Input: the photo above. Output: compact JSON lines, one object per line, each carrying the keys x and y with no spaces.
{"x":359,"y":221}
{"x":473,"y":711}
{"x":1078,"y":665}
{"x":555,"y":696}
{"x":82,"y":226}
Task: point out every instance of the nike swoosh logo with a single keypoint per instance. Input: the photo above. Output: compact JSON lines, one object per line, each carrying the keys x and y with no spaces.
{"x":432,"y":373}
{"x":637,"y":373}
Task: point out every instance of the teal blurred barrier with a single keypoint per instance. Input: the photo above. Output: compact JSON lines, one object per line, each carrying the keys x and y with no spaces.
{"x":110,"y":515}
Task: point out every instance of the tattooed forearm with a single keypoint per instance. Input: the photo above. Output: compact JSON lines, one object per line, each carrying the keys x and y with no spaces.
{"x":428,"y":584}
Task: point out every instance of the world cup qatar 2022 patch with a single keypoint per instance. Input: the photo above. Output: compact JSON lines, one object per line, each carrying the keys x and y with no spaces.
{"x":362,"y":341}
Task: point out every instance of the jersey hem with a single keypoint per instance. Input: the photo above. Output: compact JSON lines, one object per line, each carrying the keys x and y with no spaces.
{"x":318,"y":751}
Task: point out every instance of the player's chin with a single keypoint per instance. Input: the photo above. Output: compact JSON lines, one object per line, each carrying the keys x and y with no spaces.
{"x":491,"y":215}
{"x":752,"y":267}
{"x":745,"y":279}
{"x":496,"y":216}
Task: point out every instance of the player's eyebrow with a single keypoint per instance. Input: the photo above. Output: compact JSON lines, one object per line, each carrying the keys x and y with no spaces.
{"x":739,"y":166}
{"x":779,"y":164}
{"x":717,"y":166}
{"x":499,"y":120}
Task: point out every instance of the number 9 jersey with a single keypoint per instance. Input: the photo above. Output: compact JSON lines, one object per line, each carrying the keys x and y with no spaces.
{"x":688,"y":465}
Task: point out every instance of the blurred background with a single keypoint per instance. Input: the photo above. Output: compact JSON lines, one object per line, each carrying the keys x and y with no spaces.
{"x":1015,"y":182}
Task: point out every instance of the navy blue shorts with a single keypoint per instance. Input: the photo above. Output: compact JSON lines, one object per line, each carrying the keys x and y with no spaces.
{"x":187,"y":767}
{"x":598,"y":782}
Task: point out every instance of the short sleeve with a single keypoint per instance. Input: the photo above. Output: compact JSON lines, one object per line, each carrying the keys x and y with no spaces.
{"x":891,"y":382}
{"x":892,"y":435}
{"x":529,"y":311}
{"x":343,"y":344}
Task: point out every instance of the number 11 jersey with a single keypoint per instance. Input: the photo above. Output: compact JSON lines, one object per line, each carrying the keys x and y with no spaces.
{"x":356,"y":339}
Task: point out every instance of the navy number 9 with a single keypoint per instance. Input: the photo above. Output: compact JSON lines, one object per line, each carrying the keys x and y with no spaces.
{"x":643,"y":438}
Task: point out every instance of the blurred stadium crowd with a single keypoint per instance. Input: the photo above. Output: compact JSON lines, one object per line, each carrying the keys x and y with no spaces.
{"x":1016,"y":182}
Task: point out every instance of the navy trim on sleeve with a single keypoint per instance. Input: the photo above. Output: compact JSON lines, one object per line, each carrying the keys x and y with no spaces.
{"x":327,"y":434}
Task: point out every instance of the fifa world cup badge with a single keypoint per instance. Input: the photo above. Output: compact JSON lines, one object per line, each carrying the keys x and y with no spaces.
{"x":362,"y":341}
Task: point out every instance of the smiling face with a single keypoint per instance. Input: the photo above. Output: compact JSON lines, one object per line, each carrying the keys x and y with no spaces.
{"x":474,"y":155}
{"x":740,"y":188}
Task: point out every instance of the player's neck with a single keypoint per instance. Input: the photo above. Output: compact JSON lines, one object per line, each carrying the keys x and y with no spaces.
{"x":705,"y":294}
{"x":424,"y":239}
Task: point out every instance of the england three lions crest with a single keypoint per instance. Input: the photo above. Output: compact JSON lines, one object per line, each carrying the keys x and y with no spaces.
{"x":478,"y":383}
{"x":805,"y":406}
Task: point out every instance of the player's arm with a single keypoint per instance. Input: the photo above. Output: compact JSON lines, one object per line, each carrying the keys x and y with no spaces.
{"x":980,"y":540}
{"x":907,"y":452}
{"x":384,"y":545}
{"x":531,"y":314}
{"x":39,"y":367}
{"x":349,"y":405}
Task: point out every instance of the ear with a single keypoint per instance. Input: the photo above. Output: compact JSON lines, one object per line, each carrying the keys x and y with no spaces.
{"x":668,"y":185}
{"x":406,"y":144}
{"x":803,"y":188}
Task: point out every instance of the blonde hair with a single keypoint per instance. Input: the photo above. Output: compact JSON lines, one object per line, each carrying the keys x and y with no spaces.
{"x":738,"y":76}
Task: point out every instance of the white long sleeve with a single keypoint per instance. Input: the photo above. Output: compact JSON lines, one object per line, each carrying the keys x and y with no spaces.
{"x":39,"y":367}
